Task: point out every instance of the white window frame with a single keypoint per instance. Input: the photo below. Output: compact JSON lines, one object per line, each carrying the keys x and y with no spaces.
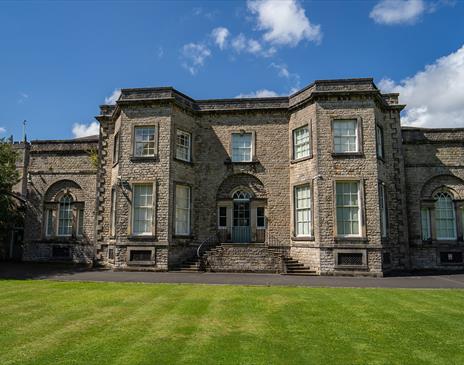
{"x":379,"y":143}
{"x":182,"y":148}
{"x":437,"y":219}
{"x":116,"y":148}
{"x":138,"y":141}
{"x":185,"y":209}
{"x":113,"y":212}
{"x":49,"y":223}
{"x":383,"y":210}
{"x":343,"y":206}
{"x":338,"y":134}
{"x":148,"y":207}
{"x":426,"y":224}
{"x":59,"y":219}
{"x":307,"y":208}
{"x":298,"y":144}
{"x":241,"y":149}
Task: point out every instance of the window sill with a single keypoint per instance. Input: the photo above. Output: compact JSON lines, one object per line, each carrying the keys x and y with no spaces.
{"x":301,"y":159}
{"x":183,"y":236}
{"x":230,"y":162}
{"x":142,"y":238}
{"x":341,"y":239}
{"x":184,"y":161}
{"x":352,"y":267}
{"x":141,"y":263}
{"x":347,"y":154}
{"x":144,"y":158}
{"x":302,"y":238}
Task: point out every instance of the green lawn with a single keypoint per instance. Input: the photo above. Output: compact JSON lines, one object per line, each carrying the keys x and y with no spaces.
{"x":44,"y":322}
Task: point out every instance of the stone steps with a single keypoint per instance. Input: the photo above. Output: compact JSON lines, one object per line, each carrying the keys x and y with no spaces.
{"x":292,"y":266}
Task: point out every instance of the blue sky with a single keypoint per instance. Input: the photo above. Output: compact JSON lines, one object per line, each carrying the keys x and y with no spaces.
{"x":60,"y":60}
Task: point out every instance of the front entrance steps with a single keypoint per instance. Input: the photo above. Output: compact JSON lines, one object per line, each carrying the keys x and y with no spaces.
{"x":256,"y":258}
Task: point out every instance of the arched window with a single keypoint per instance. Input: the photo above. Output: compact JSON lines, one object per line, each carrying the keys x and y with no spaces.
{"x":445,"y":217}
{"x":241,"y":195}
{"x":65,"y":216}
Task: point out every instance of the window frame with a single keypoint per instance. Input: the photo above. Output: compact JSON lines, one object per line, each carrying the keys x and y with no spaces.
{"x":294,"y":145}
{"x":80,"y":217}
{"x":295,"y":211}
{"x":252,"y":147}
{"x":114,"y":195}
{"x":59,"y":219}
{"x":188,"y":209}
{"x":116,"y":148}
{"x":263,"y":217}
{"x":454,"y":218}
{"x":223,"y":216}
{"x":135,"y":142}
{"x":379,"y":142}
{"x":189,"y":148}
{"x":383,"y":209}
{"x":49,"y":222}
{"x":361,"y":210}
{"x":359,"y":138}
{"x":426,"y":211}
{"x":152,"y":207}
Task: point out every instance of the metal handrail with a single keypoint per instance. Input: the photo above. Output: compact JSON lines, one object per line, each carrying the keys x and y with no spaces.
{"x":207,"y":244}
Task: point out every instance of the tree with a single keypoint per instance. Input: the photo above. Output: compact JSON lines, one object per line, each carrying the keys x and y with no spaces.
{"x":9,"y":176}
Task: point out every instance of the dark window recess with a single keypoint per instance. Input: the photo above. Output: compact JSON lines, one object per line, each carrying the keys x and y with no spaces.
{"x":58,"y":251}
{"x":386,"y":258}
{"x":451,"y":257}
{"x":350,"y":259}
{"x":137,"y":255}
{"x":260,"y":220}
{"x":222,"y":216}
{"x":110,"y":254}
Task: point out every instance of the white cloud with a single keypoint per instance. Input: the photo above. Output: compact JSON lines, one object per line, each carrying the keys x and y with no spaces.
{"x":262,"y":93}
{"x":83,"y":130}
{"x":397,"y":11}
{"x":220,"y":35}
{"x":435,"y":95}
{"x":111,"y":100}
{"x":194,"y":55}
{"x":249,"y":45}
{"x":282,"y":70}
{"x":160,"y":52}
{"x":2,"y":130}
{"x":284,"y":22}
{"x":22,"y":97}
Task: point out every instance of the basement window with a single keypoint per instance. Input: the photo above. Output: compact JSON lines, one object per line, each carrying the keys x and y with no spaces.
{"x":350,"y":259}
{"x":60,"y":252}
{"x":140,"y":255}
{"x":451,"y":258}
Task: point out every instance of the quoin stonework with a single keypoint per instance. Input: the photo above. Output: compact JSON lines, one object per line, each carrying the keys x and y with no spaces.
{"x":325,"y":181}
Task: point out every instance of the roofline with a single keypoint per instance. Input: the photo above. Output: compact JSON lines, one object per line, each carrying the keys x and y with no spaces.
{"x":147,"y":95}
{"x":431,"y":130}
{"x":60,"y":141}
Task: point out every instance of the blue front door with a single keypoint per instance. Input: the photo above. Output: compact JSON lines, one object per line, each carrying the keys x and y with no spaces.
{"x":241,"y":231}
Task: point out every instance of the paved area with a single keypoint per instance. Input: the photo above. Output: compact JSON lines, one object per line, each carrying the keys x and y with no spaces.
{"x":68,"y":273}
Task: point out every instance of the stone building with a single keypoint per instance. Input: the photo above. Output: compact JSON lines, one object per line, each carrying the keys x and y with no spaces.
{"x":324,"y":181}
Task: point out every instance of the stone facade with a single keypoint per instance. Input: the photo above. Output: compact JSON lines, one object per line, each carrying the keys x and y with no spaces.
{"x":253,"y":200}
{"x":54,"y":168}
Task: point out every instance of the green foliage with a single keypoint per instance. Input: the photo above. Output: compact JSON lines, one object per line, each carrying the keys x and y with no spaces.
{"x":46,"y":322}
{"x":93,"y":156}
{"x":8,"y":177}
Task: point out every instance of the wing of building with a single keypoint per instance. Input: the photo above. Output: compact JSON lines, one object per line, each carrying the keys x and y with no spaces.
{"x":325,"y":181}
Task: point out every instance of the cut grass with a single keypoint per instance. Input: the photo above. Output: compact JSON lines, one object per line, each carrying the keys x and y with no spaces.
{"x":46,"y":322}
